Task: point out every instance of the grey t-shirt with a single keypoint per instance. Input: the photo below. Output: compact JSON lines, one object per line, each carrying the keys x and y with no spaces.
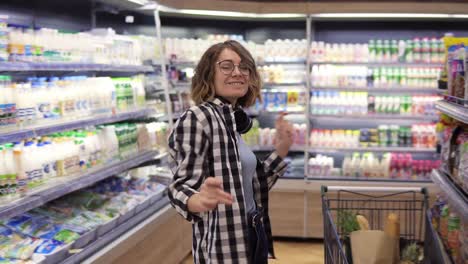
{"x":249,"y":164}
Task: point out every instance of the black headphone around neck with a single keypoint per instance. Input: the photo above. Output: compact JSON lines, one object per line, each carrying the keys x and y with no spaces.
{"x":243,"y":121}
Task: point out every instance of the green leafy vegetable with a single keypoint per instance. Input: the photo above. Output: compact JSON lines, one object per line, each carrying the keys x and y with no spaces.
{"x":346,"y":221}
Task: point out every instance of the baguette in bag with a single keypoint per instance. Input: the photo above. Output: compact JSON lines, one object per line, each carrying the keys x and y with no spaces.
{"x":392,"y":230}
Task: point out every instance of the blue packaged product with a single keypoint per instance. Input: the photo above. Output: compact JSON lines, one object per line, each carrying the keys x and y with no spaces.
{"x":35,"y":226}
{"x":258,"y":105}
{"x":265,"y":101}
{"x":281,"y":101}
{"x":271,"y":102}
{"x":5,"y":231}
{"x":47,"y":247}
{"x":16,"y":221}
{"x":42,"y":229}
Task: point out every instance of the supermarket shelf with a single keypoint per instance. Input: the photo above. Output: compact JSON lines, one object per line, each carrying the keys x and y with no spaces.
{"x":282,"y":61}
{"x":64,"y":185}
{"x":156,"y":160}
{"x":175,"y":116}
{"x":456,"y":111}
{"x":182,"y":86}
{"x":354,"y":179}
{"x":71,"y":67}
{"x":315,"y":185}
{"x":293,"y":148}
{"x":378,"y":90}
{"x":264,"y":112}
{"x":45,"y":129}
{"x":379,"y":64}
{"x":161,"y":155}
{"x":120,"y":233}
{"x":455,"y":196}
{"x":275,"y":85}
{"x":183,"y":63}
{"x":373,"y":149}
{"x":383,"y":117}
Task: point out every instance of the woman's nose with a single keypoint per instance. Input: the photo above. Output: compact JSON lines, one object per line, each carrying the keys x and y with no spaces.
{"x":236,"y":71}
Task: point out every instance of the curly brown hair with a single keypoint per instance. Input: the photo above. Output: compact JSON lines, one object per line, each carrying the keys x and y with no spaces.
{"x":203,"y":89}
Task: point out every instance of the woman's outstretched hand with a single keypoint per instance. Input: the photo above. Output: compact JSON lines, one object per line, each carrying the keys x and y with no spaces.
{"x":211,"y":194}
{"x":284,"y":136}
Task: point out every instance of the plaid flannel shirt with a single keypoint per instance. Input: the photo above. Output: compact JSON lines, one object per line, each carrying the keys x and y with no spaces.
{"x":203,"y":144}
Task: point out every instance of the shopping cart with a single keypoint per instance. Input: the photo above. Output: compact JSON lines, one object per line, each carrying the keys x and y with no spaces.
{"x":338,"y":201}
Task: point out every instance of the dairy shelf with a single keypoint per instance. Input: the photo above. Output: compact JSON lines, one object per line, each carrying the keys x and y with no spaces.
{"x":175,"y":116}
{"x":373,"y":149}
{"x":376,"y":117}
{"x":61,"y":186}
{"x":155,"y":161}
{"x":356,"y":179}
{"x":71,"y":67}
{"x":15,"y":134}
{"x":275,"y":85}
{"x":135,"y":222}
{"x":265,"y":112}
{"x":271,"y":61}
{"x":182,"y":86}
{"x":377,"y":90}
{"x":456,"y":197}
{"x":294,"y":148}
{"x":183,"y":63}
{"x":453,"y":110}
{"x":381,"y":64}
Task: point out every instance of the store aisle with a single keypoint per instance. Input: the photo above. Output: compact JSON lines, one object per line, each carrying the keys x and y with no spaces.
{"x":288,"y":252}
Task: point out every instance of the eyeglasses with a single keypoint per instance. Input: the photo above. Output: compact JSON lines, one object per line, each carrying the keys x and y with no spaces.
{"x":227,"y":67}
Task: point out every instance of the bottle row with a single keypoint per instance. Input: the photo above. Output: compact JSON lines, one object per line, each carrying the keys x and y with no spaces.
{"x":35,"y":100}
{"x":452,"y":228}
{"x":280,"y":50}
{"x":52,"y":46}
{"x":419,"y":50}
{"x":374,"y":77}
{"x":391,"y":166}
{"x":281,"y":75}
{"x":421,"y":136}
{"x":28,"y":164}
{"x":361,"y":103}
{"x":341,"y":76}
{"x":41,"y":234}
{"x":258,"y":136}
{"x":416,"y":136}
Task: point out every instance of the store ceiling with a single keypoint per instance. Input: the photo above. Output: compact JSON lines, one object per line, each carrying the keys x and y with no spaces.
{"x":301,"y":6}
{"x":324,"y":6}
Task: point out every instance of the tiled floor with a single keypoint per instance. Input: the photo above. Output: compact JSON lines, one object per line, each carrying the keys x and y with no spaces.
{"x":292,"y":253}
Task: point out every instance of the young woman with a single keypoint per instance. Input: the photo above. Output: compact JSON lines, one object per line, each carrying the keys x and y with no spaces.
{"x":219,"y":185}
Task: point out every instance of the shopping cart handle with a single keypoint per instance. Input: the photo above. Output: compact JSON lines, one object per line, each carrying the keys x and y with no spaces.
{"x":373,"y":189}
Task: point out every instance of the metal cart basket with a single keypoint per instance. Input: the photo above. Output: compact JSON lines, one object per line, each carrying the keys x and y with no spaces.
{"x":375,"y":203}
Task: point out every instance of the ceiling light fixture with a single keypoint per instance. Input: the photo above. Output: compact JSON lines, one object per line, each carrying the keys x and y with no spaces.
{"x":129,"y":19}
{"x":459,"y":16}
{"x":196,"y":12}
{"x":217,"y":13}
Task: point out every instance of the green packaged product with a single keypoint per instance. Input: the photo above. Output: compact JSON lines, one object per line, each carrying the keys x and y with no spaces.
{"x":66,"y":236}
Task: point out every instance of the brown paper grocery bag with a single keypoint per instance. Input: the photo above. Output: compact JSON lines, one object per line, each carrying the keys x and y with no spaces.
{"x":372,"y":247}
